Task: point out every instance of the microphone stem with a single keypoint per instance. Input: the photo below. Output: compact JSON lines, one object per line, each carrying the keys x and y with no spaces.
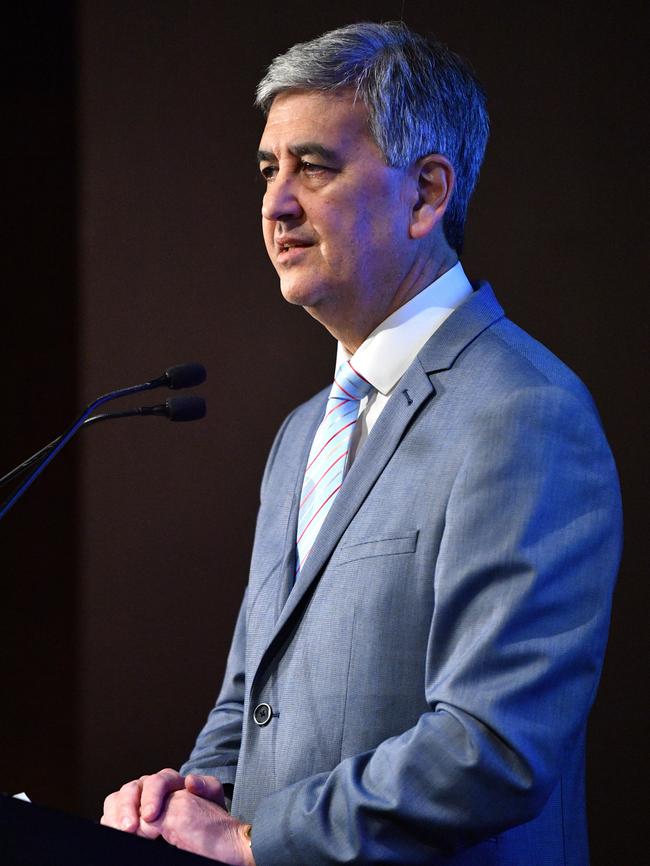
{"x":62,"y":440}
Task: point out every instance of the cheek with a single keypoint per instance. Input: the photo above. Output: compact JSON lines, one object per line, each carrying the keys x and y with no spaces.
{"x":345,"y":239}
{"x":362,"y":244}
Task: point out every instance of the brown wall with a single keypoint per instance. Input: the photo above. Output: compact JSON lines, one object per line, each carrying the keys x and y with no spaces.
{"x":129,"y":602}
{"x":38,"y":358}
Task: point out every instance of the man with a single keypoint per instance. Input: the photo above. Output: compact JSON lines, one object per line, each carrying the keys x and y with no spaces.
{"x":423,"y":630}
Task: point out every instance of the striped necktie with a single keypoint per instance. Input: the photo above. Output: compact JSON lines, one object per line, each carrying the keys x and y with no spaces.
{"x":328,"y":456}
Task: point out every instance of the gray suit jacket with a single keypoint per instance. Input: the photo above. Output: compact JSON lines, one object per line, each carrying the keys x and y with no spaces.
{"x":431,"y":672}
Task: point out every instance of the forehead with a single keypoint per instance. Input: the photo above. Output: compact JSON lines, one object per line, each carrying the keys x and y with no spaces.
{"x":336,"y":121}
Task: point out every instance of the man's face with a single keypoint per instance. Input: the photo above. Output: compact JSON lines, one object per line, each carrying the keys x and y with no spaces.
{"x":335,"y":217}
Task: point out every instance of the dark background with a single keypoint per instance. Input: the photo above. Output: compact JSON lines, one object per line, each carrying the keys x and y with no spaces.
{"x":133,"y":243}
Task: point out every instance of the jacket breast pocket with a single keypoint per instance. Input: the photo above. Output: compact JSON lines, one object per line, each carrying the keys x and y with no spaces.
{"x":396,"y":543}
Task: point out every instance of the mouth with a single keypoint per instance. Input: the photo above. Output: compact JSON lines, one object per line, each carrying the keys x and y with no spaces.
{"x":290,"y":249}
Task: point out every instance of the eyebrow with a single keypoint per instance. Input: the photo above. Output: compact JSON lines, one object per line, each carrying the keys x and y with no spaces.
{"x":308,"y":148}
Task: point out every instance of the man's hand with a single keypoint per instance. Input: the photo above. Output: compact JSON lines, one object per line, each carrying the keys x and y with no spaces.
{"x":139,"y":803}
{"x":188,"y":812}
{"x":202,"y":826}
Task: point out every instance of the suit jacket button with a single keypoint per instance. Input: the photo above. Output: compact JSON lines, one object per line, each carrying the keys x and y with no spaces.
{"x":262,"y":714}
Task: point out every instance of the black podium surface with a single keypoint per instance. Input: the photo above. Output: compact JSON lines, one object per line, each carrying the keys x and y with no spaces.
{"x":32,"y":835}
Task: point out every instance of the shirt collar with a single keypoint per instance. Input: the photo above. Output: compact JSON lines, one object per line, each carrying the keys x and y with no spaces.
{"x":386,"y":354}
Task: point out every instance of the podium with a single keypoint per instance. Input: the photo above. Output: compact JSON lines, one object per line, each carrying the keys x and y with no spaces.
{"x":32,"y":835}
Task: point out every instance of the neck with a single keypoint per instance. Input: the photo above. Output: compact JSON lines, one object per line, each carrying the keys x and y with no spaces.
{"x":352,"y":326}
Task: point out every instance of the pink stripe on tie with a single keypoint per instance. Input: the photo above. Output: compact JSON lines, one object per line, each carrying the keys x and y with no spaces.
{"x":323,"y":503}
{"x":338,"y":406}
{"x":340,"y":457}
{"x":347,"y":393}
{"x":359,"y":374}
{"x":328,"y":442}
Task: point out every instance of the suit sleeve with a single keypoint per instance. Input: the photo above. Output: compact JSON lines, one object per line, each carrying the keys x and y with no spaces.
{"x":523,"y":583}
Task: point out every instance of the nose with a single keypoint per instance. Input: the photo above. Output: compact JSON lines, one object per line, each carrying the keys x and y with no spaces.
{"x":280,"y":202}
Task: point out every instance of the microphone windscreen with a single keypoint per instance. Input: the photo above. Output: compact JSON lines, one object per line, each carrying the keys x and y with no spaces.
{"x":185,"y":408}
{"x":185,"y":375}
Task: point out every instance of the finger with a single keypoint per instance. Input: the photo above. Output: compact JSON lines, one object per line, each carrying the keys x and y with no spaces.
{"x":122,"y":808}
{"x":207,"y":787}
{"x":155,"y":790}
{"x":149,"y":829}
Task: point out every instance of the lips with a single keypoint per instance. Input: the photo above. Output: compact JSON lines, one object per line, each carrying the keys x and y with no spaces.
{"x":285,"y":243}
{"x":290,"y":248}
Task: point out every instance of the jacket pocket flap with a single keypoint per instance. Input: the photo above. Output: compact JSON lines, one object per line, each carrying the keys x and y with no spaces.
{"x":405,"y":542}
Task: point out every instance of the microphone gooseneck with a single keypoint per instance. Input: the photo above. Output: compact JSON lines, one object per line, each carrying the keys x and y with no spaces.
{"x":186,"y":408}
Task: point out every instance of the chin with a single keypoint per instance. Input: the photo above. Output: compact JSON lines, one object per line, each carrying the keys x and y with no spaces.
{"x":296,"y":292}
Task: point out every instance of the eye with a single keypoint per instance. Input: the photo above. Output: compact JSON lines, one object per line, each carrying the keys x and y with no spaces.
{"x":268,"y":172}
{"x":313,"y":168}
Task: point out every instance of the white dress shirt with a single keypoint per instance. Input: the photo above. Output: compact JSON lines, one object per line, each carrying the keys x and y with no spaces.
{"x":386,"y":354}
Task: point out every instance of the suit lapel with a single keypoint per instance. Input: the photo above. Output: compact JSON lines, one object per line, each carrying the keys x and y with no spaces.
{"x":414,"y":389}
{"x":289,"y":561}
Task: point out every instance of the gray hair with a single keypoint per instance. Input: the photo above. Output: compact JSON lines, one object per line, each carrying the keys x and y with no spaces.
{"x":421,"y":98}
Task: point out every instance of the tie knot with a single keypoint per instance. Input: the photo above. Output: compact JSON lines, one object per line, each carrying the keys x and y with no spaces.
{"x":348,"y":384}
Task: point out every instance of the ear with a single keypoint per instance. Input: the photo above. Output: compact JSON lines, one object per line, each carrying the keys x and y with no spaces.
{"x":435,"y":183}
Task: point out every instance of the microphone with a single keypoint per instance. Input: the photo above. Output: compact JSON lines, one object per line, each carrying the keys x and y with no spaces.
{"x":181,"y":376}
{"x":188,"y":408}
{"x":175,"y":409}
